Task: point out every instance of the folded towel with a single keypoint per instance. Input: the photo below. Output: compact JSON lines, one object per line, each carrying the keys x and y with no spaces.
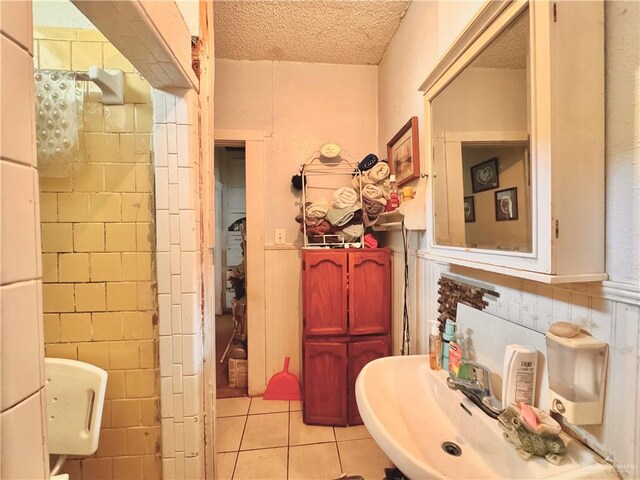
{"x":369,"y":220}
{"x":341,"y":216}
{"x":357,"y":218}
{"x":313,"y":222}
{"x":345,"y":197}
{"x":351,"y":233}
{"x":319,"y":208}
{"x":321,"y":228}
{"x":378,"y":172}
{"x":300,"y":216}
{"x":373,"y":192}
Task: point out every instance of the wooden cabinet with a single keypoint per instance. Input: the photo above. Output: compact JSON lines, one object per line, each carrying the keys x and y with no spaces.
{"x":369,"y":298}
{"x":346,"y":318}
{"x":325,"y":367}
{"x":359,"y":354}
{"x":324,"y":286}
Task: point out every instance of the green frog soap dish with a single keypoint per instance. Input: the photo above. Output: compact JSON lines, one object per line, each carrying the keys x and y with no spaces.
{"x":533,"y":432}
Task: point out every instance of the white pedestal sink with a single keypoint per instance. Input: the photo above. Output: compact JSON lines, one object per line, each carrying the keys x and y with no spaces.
{"x":410,"y":413}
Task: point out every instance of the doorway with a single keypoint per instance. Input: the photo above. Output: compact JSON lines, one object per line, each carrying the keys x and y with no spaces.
{"x":231,"y":274}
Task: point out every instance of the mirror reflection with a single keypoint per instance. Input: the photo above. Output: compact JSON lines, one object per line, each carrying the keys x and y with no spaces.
{"x":481,"y":162}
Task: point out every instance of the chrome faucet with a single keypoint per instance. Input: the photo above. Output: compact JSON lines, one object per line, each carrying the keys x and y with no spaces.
{"x":478,"y":388}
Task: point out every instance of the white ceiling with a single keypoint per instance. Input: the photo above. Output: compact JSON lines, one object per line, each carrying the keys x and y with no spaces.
{"x":316,"y":31}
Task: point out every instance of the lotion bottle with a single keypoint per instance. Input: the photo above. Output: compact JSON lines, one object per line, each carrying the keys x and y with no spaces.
{"x":447,"y":335}
{"x":435,"y":347}
{"x":519,"y":375}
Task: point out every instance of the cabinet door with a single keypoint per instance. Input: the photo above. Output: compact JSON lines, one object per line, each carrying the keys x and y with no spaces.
{"x":325,"y":383}
{"x":361,"y":353}
{"x":369,"y":292}
{"x":325,"y":293}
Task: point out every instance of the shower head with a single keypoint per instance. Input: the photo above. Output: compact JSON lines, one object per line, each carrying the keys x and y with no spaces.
{"x":111,"y":82}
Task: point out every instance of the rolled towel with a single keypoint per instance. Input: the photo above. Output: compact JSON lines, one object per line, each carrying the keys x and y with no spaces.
{"x":319,"y":208}
{"x":345,"y":197}
{"x":373,"y":208}
{"x":341,"y":216}
{"x":378,"y":172}
{"x":385,"y":186}
{"x":351,"y":233}
{"x":373,"y":192}
{"x":362,"y":179}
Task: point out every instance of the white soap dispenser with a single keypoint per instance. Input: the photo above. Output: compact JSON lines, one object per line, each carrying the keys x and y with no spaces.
{"x":577,"y":366}
{"x":519,"y":374}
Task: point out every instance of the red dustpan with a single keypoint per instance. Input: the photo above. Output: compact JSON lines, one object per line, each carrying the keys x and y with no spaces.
{"x":283,"y":385}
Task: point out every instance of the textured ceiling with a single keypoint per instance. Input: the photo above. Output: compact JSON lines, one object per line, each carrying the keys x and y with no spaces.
{"x":510,"y":49}
{"x":316,"y":31}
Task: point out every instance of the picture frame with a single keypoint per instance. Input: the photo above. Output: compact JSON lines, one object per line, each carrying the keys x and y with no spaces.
{"x":469,"y":209}
{"x":485,"y":176}
{"x":403,"y":153}
{"x":507,"y":204}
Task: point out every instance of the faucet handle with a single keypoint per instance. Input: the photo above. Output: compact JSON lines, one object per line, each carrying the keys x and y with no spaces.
{"x":484,"y":379}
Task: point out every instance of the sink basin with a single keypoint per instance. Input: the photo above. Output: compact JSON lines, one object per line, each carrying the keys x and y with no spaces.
{"x":410,"y":413}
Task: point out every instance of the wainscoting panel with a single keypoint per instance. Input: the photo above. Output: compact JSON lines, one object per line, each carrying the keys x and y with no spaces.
{"x":283,"y":292}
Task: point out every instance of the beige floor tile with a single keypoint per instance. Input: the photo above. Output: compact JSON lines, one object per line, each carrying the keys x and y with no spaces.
{"x":225,"y":463}
{"x":351,"y":433}
{"x":230,"y":407}
{"x":258,"y":405}
{"x":266,"y":431}
{"x":363,"y":457}
{"x":229,"y":433}
{"x":314,"y":462}
{"x":301,"y":434}
{"x":264,"y":464}
{"x":295,"y":405}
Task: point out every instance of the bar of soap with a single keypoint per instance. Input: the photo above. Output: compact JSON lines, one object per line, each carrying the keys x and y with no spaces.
{"x":565,"y":329}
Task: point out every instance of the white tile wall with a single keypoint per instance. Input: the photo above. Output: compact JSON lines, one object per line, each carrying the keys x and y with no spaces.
{"x":606,"y":314}
{"x":21,"y":360}
{"x":178,"y":266}
{"x":22,"y":444}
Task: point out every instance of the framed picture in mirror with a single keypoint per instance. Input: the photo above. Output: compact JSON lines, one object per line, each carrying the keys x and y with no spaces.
{"x":469,"y":209}
{"x":484,"y":176}
{"x":507,"y":204}
{"x":403,"y":153}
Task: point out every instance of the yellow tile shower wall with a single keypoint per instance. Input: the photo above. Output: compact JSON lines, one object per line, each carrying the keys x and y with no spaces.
{"x":98,"y":259}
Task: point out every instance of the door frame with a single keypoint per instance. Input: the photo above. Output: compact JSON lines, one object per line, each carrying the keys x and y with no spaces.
{"x":253,"y":141}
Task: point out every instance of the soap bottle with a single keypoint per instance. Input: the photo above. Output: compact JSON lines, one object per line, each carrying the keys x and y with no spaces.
{"x":394,"y":201}
{"x":447,"y":335}
{"x":435,"y":347}
{"x":519,"y":373}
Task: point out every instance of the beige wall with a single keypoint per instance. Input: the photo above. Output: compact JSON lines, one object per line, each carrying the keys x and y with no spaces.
{"x":610,"y":311}
{"x":299,"y":107}
{"x":23,"y":447}
{"x":98,"y":255}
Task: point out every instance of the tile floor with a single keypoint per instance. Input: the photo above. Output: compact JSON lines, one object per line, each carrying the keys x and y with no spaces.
{"x":262,"y":440}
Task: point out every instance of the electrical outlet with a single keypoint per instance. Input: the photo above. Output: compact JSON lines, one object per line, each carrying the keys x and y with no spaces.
{"x":279,"y":236}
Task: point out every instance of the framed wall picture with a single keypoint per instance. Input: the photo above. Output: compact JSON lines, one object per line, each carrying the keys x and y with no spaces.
{"x":507,"y":204}
{"x":469,"y":209}
{"x":484,"y":176}
{"x":403,"y":153}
